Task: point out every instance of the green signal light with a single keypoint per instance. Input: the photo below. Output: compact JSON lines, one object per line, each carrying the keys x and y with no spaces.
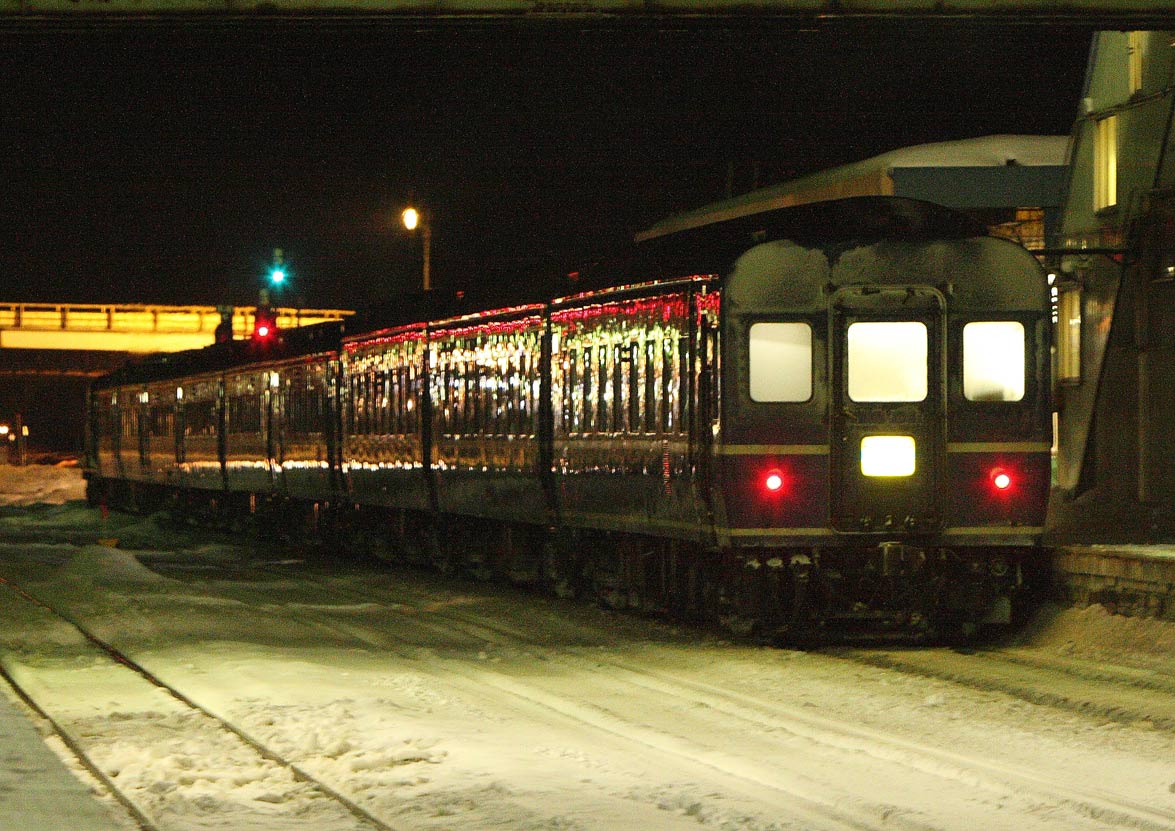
{"x":277,"y":276}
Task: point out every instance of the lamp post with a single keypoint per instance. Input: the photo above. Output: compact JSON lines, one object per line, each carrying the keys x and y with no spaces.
{"x":414,"y":219}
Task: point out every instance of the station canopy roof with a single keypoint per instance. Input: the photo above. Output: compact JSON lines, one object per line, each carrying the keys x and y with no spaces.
{"x":984,"y":172}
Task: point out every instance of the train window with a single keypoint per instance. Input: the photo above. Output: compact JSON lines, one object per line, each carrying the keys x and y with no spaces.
{"x":993,"y":361}
{"x":634,"y":390}
{"x":618,"y":393}
{"x":668,"y":385}
{"x":587,"y":400}
{"x":570,"y":389}
{"x":781,"y":362}
{"x":385,"y":401}
{"x":887,"y":361}
{"x":413,"y":389}
{"x":650,"y":386}
{"x":603,"y":391}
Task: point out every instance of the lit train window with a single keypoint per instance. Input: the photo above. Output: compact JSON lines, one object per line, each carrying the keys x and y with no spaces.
{"x":650,"y":378}
{"x":993,"y":361}
{"x":887,"y":361}
{"x":781,"y":361}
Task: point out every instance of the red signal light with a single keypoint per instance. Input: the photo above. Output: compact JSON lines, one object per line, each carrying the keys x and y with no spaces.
{"x":773,"y":481}
{"x":264,"y":324}
{"x":1000,"y":478}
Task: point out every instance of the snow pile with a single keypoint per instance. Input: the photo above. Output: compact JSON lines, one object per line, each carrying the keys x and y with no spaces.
{"x":1094,"y":632}
{"x":40,"y":484}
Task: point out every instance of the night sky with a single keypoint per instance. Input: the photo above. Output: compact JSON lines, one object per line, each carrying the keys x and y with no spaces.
{"x":160,"y":164}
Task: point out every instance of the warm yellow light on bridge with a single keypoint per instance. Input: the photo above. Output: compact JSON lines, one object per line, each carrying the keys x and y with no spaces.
{"x":411,"y":218}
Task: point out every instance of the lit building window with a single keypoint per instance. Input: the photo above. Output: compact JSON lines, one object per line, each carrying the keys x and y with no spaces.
{"x":1105,"y":163}
{"x":1136,"y":52}
{"x":1069,"y":335}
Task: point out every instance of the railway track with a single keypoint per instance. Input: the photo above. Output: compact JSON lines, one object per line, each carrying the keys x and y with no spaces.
{"x":1000,"y":780}
{"x":786,"y":755}
{"x":1121,"y":694}
{"x":36,"y":693}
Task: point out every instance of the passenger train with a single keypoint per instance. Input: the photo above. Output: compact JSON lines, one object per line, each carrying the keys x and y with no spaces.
{"x":827,"y":419}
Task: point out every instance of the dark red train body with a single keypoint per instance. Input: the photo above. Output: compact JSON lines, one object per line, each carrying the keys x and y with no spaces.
{"x":827,"y":417}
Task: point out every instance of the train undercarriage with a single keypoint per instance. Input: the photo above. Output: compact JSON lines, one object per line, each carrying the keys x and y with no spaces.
{"x":888,"y":590}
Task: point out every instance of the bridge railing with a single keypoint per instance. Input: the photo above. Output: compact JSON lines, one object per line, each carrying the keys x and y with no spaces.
{"x":147,"y":319}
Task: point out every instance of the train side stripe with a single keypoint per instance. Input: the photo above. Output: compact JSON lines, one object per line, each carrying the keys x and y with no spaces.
{"x":1001,"y":530}
{"x":777,"y":532}
{"x":823,"y":449}
{"x":1017,"y":530}
{"x":771,"y":449}
{"x":999,"y":447}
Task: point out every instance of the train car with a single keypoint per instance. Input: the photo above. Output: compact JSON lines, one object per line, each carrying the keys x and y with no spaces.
{"x":218,"y":427}
{"x":828,"y":418}
{"x":883,"y":451}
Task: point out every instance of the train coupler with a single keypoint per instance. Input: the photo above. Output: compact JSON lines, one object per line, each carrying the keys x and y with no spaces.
{"x":897,"y":559}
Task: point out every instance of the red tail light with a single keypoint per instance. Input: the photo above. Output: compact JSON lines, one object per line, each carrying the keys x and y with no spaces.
{"x":773,"y":481}
{"x":1001,"y":479}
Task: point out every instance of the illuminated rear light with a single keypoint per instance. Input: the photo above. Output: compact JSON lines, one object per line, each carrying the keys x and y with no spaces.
{"x":773,"y":482}
{"x":1000,"y":479}
{"x":888,"y":455}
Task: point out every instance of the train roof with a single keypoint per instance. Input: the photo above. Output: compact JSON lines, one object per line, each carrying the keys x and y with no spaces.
{"x":709,"y":249}
{"x":292,"y":343}
{"x":712,"y":248}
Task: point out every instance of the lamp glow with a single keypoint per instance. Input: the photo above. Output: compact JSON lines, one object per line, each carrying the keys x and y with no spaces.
{"x":773,"y":482}
{"x":1001,"y":479}
{"x":888,"y":455}
{"x":411,"y":218}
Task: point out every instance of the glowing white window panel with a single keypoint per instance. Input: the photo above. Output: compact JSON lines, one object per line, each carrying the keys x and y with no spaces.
{"x":888,"y":455}
{"x":993,"y":361}
{"x":887,"y":361}
{"x":781,"y":361}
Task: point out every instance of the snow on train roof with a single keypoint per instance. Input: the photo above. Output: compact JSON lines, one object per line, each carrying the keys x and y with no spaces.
{"x":873,"y":177}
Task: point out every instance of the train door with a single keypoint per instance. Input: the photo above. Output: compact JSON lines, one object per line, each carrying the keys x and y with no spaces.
{"x":887,"y":409}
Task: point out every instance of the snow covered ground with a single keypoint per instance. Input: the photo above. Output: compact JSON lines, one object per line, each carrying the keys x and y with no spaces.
{"x":431,"y":704}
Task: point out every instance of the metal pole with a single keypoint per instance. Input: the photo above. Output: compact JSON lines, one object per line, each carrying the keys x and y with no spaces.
{"x":426,"y":231}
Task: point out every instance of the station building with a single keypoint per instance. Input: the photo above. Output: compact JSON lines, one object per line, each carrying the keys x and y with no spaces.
{"x":1115,"y":268}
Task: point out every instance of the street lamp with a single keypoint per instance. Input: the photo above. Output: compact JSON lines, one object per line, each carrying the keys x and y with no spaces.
{"x":414,"y":219}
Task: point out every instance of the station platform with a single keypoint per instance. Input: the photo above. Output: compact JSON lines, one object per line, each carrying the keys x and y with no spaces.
{"x":1133,"y":580}
{"x":37,"y":791}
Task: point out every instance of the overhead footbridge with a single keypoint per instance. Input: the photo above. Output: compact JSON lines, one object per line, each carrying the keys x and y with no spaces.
{"x":49,"y":352}
{"x":134,"y":329}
